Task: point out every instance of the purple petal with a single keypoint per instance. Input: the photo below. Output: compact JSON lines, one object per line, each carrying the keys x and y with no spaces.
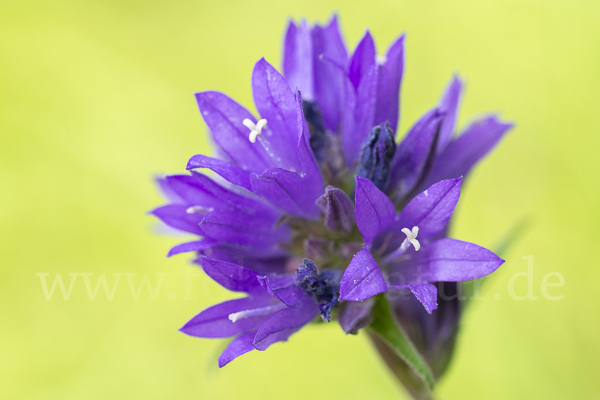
{"x":233,"y":226}
{"x":298,"y":58}
{"x":366,"y":102}
{"x":347,"y":100}
{"x":198,"y":189}
{"x":414,"y":155}
{"x":214,"y":322}
{"x":329,"y":85}
{"x":447,"y":260}
{"x":231,"y":172}
{"x":262,"y":260}
{"x":283,"y":287}
{"x":275,"y":102}
{"x":362,"y":279}
{"x":281,"y":325}
{"x":449,"y":106}
{"x":355,"y":315}
{"x":287,"y":191}
{"x":191,"y":246}
{"x":362,"y":59}
{"x":231,"y":276}
{"x":388,"y":90}
{"x":465,"y":151}
{"x":224,"y":118}
{"x":237,"y":347}
{"x":191,"y":190}
{"x":374,"y":210}
{"x":168,"y":192}
{"x":223,"y":198}
{"x":430,"y":210}
{"x":336,"y":49}
{"x":338,"y":208}
{"x":311,"y":175}
{"x":426,"y":293}
{"x":176,"y":217}
{"x":347,"y":126}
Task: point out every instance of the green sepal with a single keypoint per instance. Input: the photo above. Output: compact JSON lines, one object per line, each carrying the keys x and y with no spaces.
{"x":387,"y":329}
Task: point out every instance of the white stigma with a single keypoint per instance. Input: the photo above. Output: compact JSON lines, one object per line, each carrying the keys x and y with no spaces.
{"x":256,"y":312}
{"x":411,"y":237}
{"x":380,"y":60}
{"x":255,"y":129}
{"x":198,"y":210}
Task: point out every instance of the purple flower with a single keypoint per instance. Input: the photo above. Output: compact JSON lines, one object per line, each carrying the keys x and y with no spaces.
{"x":279,"y":222}
{"x":406,"y":246}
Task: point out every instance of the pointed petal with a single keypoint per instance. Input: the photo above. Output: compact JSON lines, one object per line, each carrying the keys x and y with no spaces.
{"x":282,"y":287}
{"x":191,"y":246}
{"x":431,"y":210}
{"x":388,"y":89}
{"x":347,"y":123}
{"x":223,"y":198}
{"x":275,"y":102}
{"x":224,"y":118}
{"x":364,"y":115}
{"x":281,"y":325}
{"x":168,"y":192}
{"x":374,"y":210}
{"x":449,"y":106}
{"x":231,"y":276}
{"x":287,"y":191}
{"x":465,"y":151}
{"x":329,"y":85}
{"x":233,"y":226}
{"x":447,"y":260}
{"x":176,"y":217}
{"x":309,"y":169}
{"x":237,"y":347}
{"x":191,"y":190}
{"x":198,"y":189}
{"x":231,"y":172}
{"x":362,"y":59}
{"x":355,"y":315}
{"x":335,"y":42}
{"x":362,"y":279}
{"x":414,"y":156}
{"x":426,"y":293}
{"x":262,"y":260}
{"x":298,"y":59}
{"x":346,"y":100}
{"x":214,"y":322}
{"x":338,"y":208}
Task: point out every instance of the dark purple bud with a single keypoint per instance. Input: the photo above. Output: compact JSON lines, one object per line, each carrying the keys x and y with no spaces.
{"x":307,"y":276}
{"x":338,"y":208}
{"x":320,"y":141}
{"x":323,"y":287}
{"x":376,"y":156}
{"x":330,"y":279}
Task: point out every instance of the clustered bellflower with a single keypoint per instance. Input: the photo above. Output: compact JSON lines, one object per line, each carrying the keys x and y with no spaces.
{"x":317,"y":211}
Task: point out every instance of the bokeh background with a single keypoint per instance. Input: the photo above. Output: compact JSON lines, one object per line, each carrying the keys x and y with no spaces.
{"x":96,"y":98}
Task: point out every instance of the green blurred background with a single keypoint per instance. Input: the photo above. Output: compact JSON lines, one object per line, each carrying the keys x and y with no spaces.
{"x":96,"y":98}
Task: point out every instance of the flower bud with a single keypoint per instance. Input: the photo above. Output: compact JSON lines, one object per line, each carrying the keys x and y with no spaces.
{"x":376,"y":156}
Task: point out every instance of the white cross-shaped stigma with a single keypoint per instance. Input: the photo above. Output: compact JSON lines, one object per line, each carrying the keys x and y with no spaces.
{"x":255,"y":129}
{"x":411,"y":237}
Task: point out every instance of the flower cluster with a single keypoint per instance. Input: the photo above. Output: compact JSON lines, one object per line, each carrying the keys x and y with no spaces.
{"x":316,"y":209}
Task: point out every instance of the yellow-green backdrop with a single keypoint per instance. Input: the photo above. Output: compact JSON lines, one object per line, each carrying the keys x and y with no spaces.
{"x":96,"y":98}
